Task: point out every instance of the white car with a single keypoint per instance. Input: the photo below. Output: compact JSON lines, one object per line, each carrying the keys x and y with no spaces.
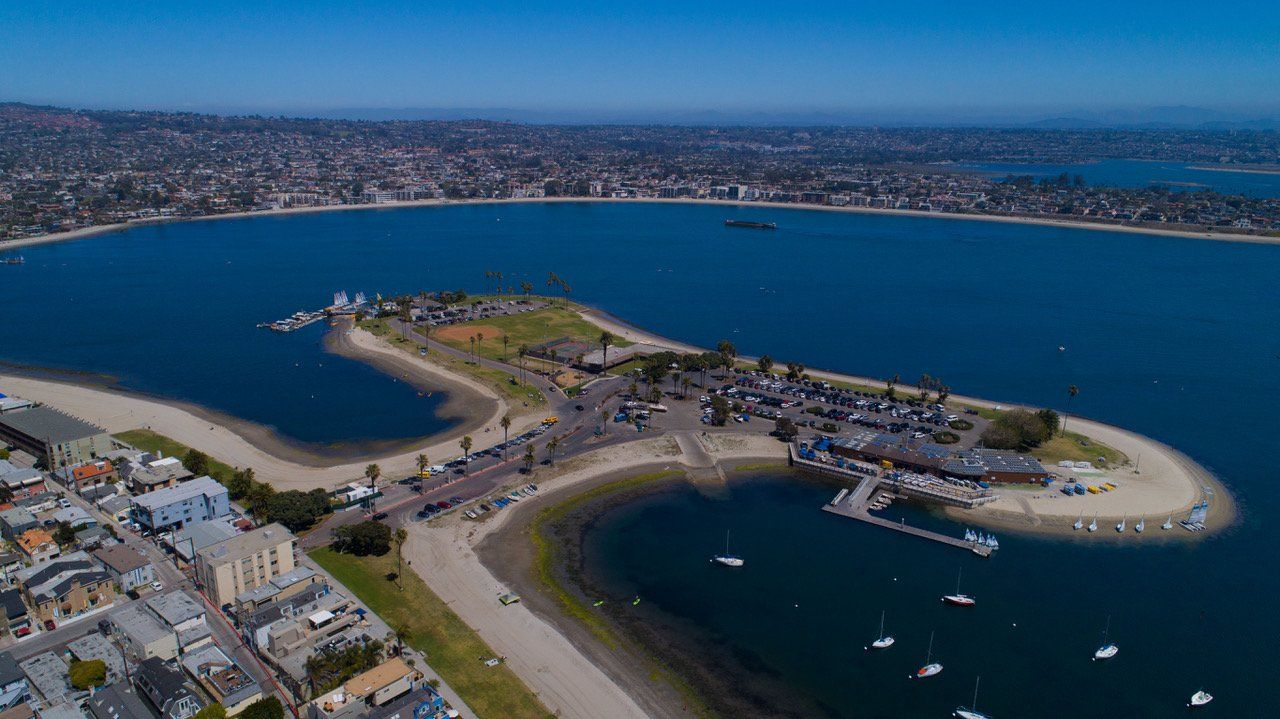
{"x":156,"y":585}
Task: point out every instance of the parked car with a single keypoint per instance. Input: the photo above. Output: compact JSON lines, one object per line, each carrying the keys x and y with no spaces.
{"x":156,"y":585}
{"x":49,"y":625}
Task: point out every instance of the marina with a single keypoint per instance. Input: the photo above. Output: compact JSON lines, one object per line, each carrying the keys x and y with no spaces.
{"x":302,"y":318}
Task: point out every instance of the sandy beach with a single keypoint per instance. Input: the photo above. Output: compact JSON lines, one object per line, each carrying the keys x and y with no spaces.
{"x":86,"y":232}
{"x":570,"y":670}
{"x":245,"y":444}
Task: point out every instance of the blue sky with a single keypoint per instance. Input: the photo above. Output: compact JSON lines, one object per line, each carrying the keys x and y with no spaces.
{"x":654,"y":56}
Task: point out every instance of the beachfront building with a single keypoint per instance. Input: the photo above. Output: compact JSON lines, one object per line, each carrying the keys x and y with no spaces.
{"x":199,"y":500}
{"x":146,"y":472}
{"x":231,"y":567}
{"x":318,"y":624}
{"x":975,"y":465}
{"x":21,"y":481}
{"x":62,"y":440}
{"x":277,"y":590}
{"x":367,"y":694}
{"x":222,"y":678}
{"x":126,"y":565}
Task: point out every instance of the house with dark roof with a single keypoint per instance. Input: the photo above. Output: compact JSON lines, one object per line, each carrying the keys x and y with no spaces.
{"x":15,"y":610}
{"x":118,"y":701}
{"x":13,"y":683}
{"x":66,"y":587}
{"x":165,"y":687}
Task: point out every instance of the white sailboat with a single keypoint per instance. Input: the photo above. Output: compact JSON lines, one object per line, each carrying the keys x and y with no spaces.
{"x":727,"y":559}
{"x":883,"y":641}
{"x":1120,"y":526}
{"x":1079,"y":522}
{"x":958,"y":599}
{"x":1093,"y":526}
{"x":1168,"y":523}
{"x":1141,"y":525}
{"x":971,"y":711}
{"x":1108,"y":649}
{"x":930,"y":668}
{"x":1200,"y":698}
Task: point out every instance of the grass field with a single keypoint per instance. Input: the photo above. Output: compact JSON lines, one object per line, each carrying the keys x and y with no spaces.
{"x":529,"y":328}
{"x":452,"y":648}
{"x":149,"y":441}
{"x":1078,"y":448}
{"x":497,"y":379}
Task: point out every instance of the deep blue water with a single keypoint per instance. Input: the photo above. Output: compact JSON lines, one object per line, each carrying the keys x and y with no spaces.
{"x":1157,"y":330}
{"x":1142,"y":173}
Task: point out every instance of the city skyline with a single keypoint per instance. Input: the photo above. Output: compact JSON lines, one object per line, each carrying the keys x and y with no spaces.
{"x":928,"y":64}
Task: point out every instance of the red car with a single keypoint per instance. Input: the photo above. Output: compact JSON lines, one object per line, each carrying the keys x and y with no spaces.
{"x":23,"y":631}
{"x":48,"y":624}
{"x":443,"y":505}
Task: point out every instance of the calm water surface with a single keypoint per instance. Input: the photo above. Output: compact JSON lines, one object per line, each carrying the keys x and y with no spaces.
{"x":1142,"y":173}
{"x":1158,"y":330}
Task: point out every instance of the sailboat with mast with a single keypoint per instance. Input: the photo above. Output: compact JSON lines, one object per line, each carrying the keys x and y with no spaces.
{"x":1141,"y":525}
{"x":958,"y":599}
{"x":1168,"y":523}
{"x":883,"y":640}
{"x":1093,"y":526}
{"x":971,"y":711}
{"x":930,"y":668}
{"x":1079,"y":522}
{"x":1120,"y":526}
{"x":727,"y":559}
{"x":1108,"y":648}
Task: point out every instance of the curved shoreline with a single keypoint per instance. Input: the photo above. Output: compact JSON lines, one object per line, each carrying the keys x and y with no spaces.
{"x":97,"y":230}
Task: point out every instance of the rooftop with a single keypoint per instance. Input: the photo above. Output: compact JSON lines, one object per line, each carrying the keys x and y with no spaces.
{"x":386,"y":673}
{"x":246,"y":545}
{"x":175,"y":607}
{"x":118,"y":701}
{"x":200,"y":486}
{"x":120,"y":558}
{"x":48,"y":425}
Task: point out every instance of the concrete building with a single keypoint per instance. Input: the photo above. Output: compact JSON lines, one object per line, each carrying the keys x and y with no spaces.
{"x":61,"y":439}
{"x":199,"y":500}
{"x":164,"y":686}
{"x":145,"y":635}
{"x":231,"y":567}
{"x":21,"y":481}
{"x":279,"y":589}
{"x":47,"y":676}
{"x":66,"y":587}
{"x":127,"y":566}
{"x":184,"y":615}
{"x":149,"y":473}
{"x":15,"y":521}
{"x":94,"y":646}
{"x":198,"y":535}
{"x":315,"y":626}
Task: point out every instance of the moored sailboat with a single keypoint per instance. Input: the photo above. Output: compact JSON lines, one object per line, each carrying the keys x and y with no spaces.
{"x":1168,"y":523}
{"x":883,"y":641}
{"x":930,"y":668}
{"x":1093,"y":526}
{"x":1141,"y":525}
{"x":1108,"y":649}
{"x":727,"y":559}
{"x":1200,"y":698}
{"x":958,"y":599}
{"x":971,"y":711}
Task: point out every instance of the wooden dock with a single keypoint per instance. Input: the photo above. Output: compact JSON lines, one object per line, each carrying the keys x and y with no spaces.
{"x":849,"y":509}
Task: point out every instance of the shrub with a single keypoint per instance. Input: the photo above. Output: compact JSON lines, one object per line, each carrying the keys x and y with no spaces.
{"x":998,"y":436}
{"x":92,"y":673}
{"x":363,"y":539}
{"x":960,"y":424}
{"x":1050,"y":419}
{"x":213,"y":711}
{"x":829,"y":427}
{"x":268,"y":708}
{"x":945,"y":437}
{"x":1015,"y":429}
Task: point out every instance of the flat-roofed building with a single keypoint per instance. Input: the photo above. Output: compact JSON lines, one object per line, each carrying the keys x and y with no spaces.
{"x":279,"y":589}
{"x":147,"y":636}
{"x":231,"y":567}
{"x":47,"y":677}
{"x":365,"y":692}
{"x":313,"y":625}
{"x":149,"y":473}
{"x":199,"y":500}
{"x":63,"y":440}
{"x":198,"y":535}
{"x":223,"y":679}
{"x":94,"y":646}
{"x":16,"y":520}
{"x":184,"y":615}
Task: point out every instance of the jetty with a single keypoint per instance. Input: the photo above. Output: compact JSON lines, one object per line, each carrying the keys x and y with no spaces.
{"x":296,"y":321}
{"x":873,"y":487}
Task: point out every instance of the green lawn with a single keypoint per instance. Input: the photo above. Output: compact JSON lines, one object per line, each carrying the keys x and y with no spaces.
{"x":452,"y":648}
{"x":497,"y":379}
{"x":529,"y":328}
{"x":149,"y":441}
{"x":1078,"y":448}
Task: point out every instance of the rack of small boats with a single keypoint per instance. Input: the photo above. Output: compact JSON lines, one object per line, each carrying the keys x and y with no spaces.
{"x":13,"y":260}
{"x":295,"y":321}
{"x":978,"y":539}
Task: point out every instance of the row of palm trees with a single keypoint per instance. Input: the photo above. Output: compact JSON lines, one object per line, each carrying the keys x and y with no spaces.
{"x":493,"y":275}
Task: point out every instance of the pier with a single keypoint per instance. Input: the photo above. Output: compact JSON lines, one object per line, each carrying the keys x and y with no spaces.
{"x":855,"y":503}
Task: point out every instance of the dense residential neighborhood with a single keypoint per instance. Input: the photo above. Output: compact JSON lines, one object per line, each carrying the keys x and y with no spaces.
{"x":62,"y":170}
{"x":135,"y":588}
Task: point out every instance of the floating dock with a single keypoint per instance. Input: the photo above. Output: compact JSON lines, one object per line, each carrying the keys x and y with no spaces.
{"x":854,"y":503}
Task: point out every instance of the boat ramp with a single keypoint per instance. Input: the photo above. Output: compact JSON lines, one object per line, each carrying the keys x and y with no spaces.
{"x":876,"y":489}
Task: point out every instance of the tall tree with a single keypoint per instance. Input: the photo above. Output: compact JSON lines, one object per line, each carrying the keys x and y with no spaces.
{"x":522,"y":352}
{"x":465,"y":444}
{"x":529,"y":458}
{"x":606,"y":340}
{"x":1072,"y":391}
{"x":423,"y":463}
{"x":505,"y":423}
{"x":728,"y":353}
{"x":552,"y":445}
{"x":400,"y":536}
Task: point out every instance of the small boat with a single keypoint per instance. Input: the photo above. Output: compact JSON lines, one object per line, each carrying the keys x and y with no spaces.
{"x":971,"y":711}
{"x":930,"y":668}
{"x":1062,"y":348}
{"x":1108,"y":649}
{"x":635,"y":602}
{"x":1120,"y":526}
{"x":1200,"y":698}
{"x":1079,"y":522}
{"x":884,"y":641}
{"x":727,"y":559}
{"x":598,"y":603}
{"x":1141,"y":525}
{"x":1093,"y":526}
{"x":1168,"y":523}
{"x":958,"y":599}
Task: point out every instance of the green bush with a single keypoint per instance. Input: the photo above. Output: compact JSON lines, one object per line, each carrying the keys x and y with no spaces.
{"x":213,"y":711}
{"x":268,"y":708}
{"x":363,"y":539}
{"x":1015,"y":429}
{"x":960,"y":424}
{"x":945,"y":437}
{"x":92,"y":673}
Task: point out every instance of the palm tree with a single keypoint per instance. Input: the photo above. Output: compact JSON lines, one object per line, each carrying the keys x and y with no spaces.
{"x":422,"y":464}
{"x":765,"y":363}
{"x":526,"y":286}
{"x":473,"y":346}
{"x":604,"y":422}
{"x":529,"y":458}
{"x":566,"y":289}
{"x":728,"y":353}
{"x":400,"y":537}
{"x":406,"y":322}
{"x":465,"y":444}
{"x":606,"y":339}
{"x":505,"y":422}
{"x":1072,"y":391}
{"x":426,"y":336}
{"x":552,"y":280}
{"x":634,"y":389}
{"x":552,"y":445}
{"x":889,"y":383}
{"x":522,"y":352}
{"x":372,"y":471}
{"x":505,"y":341}
{"x":685,"y":382}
